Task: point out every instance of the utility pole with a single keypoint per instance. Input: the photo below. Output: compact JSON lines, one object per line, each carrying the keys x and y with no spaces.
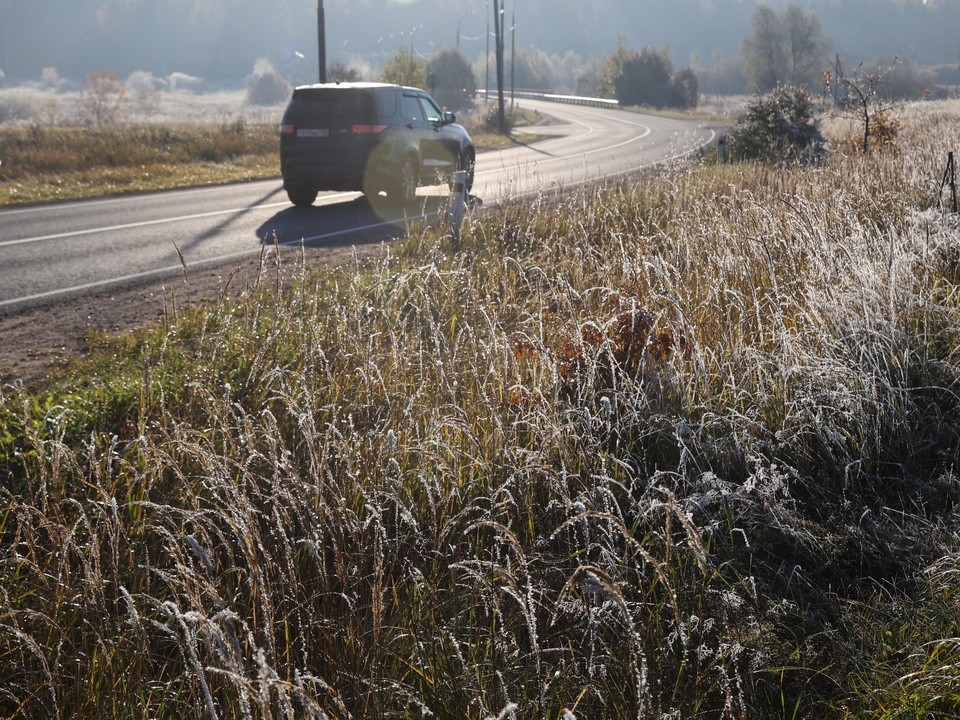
{"x":322,"y":41}
{"x":513,"y":50}
{"x":498,"y":30}
{"x":486,"y":94}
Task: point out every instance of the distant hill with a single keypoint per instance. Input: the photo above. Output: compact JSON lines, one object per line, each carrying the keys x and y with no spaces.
{"x":219,"y":40}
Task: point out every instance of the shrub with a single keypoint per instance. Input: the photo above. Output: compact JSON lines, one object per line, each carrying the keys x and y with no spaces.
{"x":338,"y":71}
{"x":779,"y":127}
{"x":265,"y":86}
{"x":490,"y":122}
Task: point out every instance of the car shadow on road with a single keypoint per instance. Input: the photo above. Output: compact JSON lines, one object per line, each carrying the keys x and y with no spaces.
{"x":216,"y":230}
{"x":352,"y":222}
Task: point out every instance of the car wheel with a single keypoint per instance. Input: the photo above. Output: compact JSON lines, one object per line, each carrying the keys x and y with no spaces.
{"x":301,"y":196}
{"x":406,"y":182}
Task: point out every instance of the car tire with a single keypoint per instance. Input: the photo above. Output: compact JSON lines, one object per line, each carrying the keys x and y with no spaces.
{"x":405,"y":187}
{"x":301,"y":196}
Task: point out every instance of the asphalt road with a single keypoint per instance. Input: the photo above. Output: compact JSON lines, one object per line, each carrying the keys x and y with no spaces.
{"x":48,"y":253}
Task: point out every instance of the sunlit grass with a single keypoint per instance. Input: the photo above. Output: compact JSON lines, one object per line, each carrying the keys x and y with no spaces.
{"x":42,"y":164}
{"x":682,"y":447}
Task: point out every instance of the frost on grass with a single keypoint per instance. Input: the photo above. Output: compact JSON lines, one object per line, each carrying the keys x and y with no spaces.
{"x":670,"y":449}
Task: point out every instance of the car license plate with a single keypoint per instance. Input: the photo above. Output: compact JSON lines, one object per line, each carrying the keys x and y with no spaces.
{"x":312,"y":132}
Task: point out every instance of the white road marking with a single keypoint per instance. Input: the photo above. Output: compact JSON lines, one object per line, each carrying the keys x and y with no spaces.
{"x":161,"y":221}
{"x":173,"y":269}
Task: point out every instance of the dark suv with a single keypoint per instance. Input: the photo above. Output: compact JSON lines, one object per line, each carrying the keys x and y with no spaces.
{"x":371,"y":137}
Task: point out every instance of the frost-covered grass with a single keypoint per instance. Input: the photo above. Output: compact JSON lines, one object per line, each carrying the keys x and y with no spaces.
{"x":683,"y":447}
{"x":27,"y":105}
{"x":43,"y":164}
{"x":183,"y":140}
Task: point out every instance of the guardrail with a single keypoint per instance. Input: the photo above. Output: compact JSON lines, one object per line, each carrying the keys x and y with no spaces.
{"x":566,"y":99}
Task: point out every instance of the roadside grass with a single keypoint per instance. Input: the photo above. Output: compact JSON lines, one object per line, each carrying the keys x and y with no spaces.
{"x":678,"y":447}
{"x":711,"y":108}
{"x":41,"y":164}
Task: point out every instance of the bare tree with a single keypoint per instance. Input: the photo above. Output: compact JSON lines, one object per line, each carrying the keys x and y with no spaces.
{"x":784,"y":49}
{"x":807,"y":46}
{"x":763,"y":49}
{"x":102,"y":98}
{"x":866,"y":104}
{"x":142,"y":86}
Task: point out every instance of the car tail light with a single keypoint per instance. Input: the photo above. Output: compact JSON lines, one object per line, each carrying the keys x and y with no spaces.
{"x":368,"y":129}
{"x":287,"y":129}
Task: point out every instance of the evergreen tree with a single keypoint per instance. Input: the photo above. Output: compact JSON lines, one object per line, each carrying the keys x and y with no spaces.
{"x":450,"y":79}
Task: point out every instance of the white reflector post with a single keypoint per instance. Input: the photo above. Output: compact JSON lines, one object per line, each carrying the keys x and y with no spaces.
{"x":457,"y":205}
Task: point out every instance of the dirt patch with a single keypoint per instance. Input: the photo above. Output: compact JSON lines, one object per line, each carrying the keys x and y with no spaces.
{"x":36,"y":343}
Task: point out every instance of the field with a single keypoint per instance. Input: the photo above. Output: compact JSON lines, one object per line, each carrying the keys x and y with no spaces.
{"x":183,"y":139}
{"x":682,"y":447}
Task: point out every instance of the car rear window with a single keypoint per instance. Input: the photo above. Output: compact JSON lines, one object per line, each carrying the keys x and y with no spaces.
{"x":333,"y":106}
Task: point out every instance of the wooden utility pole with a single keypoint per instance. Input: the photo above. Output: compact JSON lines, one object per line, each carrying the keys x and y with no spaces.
{"x":498,"y":32}
{"x":322,"y":41}
{"x":486,"y":86}
{"x":513,"y":50}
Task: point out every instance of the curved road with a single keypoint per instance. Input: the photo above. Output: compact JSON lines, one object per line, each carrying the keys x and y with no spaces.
{"x":50,"y":252}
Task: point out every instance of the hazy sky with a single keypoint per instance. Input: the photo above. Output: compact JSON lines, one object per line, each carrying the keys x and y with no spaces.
{"x":220,"y":39}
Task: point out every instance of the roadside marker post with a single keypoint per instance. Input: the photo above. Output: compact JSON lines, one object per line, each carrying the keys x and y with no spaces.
{"x":457,"y":204}
{"x":950,"y":180}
